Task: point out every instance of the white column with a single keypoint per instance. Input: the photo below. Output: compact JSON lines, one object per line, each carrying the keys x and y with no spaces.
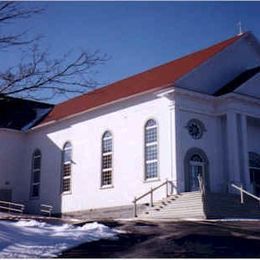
{"x":245,"y":165}
{"x":178,"y":170}
{"x":233,"y":149}
{"x":173,"y":142}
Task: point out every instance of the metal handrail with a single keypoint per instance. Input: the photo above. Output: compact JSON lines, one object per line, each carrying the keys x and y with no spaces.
{"x":12,"y":207}
{"x":201,"y":184}
{"x":44,"y":208}
{"x":151,"y":194}
{"x":242,"y":191}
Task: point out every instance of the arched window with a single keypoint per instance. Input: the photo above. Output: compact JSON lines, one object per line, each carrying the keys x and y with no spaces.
{"x":107,"y":154}
{"x":254,"y":170}
{"x":66,"y":167}
{"x":254,"y":160}
{"x":151,"y":149}
{"x":196,"y":158}
{"x":36,"y":174}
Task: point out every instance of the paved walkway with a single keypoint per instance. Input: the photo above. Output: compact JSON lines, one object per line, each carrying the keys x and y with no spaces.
{"x":166,"y":239}
{"x":176,"y":239}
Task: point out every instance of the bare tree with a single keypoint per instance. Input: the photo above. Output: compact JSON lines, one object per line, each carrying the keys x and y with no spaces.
{"x":38,"y":76}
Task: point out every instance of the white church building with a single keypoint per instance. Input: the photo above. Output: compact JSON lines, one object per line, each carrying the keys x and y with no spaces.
{"x":195,"y":116}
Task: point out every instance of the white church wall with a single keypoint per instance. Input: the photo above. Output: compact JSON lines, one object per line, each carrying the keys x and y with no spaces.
{"x":126,"y":122}
{"x":12,"y":163}
{"x":228,"y":161}
{"x":187,"y":108}
{"x":241,"y":107}
{"x":50,"y":171}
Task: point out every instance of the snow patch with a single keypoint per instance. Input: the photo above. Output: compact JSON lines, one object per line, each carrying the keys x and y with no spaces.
{"x":34,"y":239}
{"x":30,"y":223}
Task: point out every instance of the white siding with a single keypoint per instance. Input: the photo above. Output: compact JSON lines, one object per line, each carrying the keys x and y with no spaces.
{"x":12,"y":163}
{"x":126,"y":122}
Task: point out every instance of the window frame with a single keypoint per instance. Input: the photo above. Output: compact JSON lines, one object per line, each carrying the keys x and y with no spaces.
{"x":157,"y":177}
{"x":253,"y":164}
{"x":103,"y":170}
{"x":196,"y":161}
{"x":62,"y":168}
{"x":33,"y":171}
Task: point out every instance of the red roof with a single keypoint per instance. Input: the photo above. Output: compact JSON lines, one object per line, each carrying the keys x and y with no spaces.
{"x":156,"y":78}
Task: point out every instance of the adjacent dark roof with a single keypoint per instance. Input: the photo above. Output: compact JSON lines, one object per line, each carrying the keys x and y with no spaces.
{"x":237,"y":81}
{"x":21,"y":114}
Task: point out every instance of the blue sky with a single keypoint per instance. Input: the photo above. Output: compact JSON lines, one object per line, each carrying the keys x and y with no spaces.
{"x":138,"y":35}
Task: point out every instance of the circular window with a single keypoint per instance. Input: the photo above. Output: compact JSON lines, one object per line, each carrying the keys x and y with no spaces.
{"x":195,"y":128}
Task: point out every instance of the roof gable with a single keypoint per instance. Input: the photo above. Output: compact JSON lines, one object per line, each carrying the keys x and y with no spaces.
{"x":238,"y":81}
{"x":250,"y":87}
{"x":157,"y":78}
{"x":223,"y":67}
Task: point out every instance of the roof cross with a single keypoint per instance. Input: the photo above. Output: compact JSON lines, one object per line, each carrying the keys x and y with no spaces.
{"x":240,"y":28}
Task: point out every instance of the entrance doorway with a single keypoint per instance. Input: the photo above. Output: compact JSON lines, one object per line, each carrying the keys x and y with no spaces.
{"x":197,"y":169}
{"x":196,"y":166}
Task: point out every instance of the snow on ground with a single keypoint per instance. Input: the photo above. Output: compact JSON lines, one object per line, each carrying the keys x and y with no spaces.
{"x":33,"y":239}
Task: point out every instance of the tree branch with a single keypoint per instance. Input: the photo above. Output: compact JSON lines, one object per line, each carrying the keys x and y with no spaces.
{"x":38,"y":76}
{"x":60,"y":75}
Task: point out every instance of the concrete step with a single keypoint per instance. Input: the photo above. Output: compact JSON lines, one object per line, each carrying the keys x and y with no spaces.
{"x":195,"y":214}
{"x":192,"y":205}
{"x":189,"y":214}
{"x":183,"y":205}
{"x":176,"y":207}
{"x":175,"y":218}
{"x":179,"y":204}
{"x":173,"y":209}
